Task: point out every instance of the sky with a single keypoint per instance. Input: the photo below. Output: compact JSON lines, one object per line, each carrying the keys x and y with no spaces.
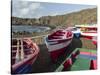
{"x":31,"y":9}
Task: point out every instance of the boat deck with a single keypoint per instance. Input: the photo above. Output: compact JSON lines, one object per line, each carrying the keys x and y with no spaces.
{"x":44,"y":64}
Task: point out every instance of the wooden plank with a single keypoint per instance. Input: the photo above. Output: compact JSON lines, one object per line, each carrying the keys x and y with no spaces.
{"x":22,"y":50}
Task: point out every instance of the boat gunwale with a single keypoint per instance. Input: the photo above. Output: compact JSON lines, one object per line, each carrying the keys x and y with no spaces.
{"x":36,"y":51}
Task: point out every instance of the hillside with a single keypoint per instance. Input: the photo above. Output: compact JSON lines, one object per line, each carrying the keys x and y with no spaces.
{"x":85,"y":16}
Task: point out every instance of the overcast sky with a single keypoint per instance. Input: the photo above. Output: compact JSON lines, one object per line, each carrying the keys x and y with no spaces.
{"x":31,"y":9}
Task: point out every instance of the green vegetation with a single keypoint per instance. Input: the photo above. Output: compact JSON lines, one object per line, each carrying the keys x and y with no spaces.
{"x":86,"y":16}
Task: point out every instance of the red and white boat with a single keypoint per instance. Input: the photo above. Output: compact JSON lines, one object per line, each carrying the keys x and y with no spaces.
{"x":57,"y":42}
{"x":89,"y":31}
{"x":23,"y":54}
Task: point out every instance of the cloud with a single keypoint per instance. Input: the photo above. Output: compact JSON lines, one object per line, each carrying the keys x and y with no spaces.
{"x":24,"y":8}
{"x":54,"y":13}
{"x":31,"y":9}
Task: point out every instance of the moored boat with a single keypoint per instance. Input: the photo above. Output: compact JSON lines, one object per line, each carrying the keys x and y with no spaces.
{"x":23,"y":54}
{"x":88,"y":31}
{"x":89,"y":35}
{"x":57,"y":42}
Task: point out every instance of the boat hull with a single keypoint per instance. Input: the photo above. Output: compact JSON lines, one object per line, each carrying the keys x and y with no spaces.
{"x":25,"y":67}
{"x":24,"y":54}
{"x":57,"y":48}
{"x":88,"y":35}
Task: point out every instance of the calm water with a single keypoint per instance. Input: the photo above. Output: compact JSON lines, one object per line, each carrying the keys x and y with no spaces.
{"x":22,"y":28}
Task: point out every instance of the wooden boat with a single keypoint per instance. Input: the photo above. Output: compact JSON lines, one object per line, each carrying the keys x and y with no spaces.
{"x":23,"y":54}
{"x":88,"y":31}
{"x":57,"y":42}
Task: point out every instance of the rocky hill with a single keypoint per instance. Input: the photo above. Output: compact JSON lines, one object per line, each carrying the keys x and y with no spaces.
{"x":86,"y":16}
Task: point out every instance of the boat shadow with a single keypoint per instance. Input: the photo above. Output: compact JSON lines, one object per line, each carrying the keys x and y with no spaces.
{"x":76,"y":43}
{"x":44,"y":64}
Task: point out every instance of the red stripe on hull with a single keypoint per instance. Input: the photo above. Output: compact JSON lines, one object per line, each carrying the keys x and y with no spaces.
{"x":95,"y":42}
{"x":88,"y":37}
{"x":55,"y":54}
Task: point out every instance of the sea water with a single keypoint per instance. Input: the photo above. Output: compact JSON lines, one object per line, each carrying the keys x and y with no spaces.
{"x":27,"y":28}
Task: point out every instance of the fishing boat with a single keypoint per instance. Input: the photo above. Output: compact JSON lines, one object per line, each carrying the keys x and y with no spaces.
{"x":23,"y":54}
{"x":88,"y":31}
{"x":57,"y":42}
{"x":76,"y":31}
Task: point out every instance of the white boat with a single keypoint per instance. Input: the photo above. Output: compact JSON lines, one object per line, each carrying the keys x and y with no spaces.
{"x":88,"y":30}
{"x":89,"y":35}
{"x":57,"y":42}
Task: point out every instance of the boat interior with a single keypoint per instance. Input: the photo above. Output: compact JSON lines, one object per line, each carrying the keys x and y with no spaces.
{"x":20,"y":49}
